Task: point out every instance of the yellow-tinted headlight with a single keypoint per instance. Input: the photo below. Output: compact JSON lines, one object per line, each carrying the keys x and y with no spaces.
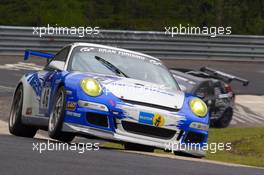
{"x":91,"y":87}
{"x":198,"y":107}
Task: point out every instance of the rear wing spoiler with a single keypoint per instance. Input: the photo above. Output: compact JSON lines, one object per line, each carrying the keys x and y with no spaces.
{"x":28,"y":53}
{"x":223,"y":76}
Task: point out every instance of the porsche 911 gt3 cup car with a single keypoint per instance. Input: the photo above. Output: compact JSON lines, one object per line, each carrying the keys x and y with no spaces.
{"x":110,"y":93}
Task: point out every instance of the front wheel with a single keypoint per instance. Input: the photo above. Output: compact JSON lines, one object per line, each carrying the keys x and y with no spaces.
{"x":16,"y":127}
{"x":225,"y":119}
{"x":57,"y":116}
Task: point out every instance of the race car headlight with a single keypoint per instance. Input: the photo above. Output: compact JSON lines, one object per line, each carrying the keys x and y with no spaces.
{"x":91,"y":87}
{"x":198,"y":107}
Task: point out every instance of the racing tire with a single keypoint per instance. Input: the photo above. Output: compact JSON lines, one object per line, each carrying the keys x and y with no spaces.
{"x":138,"y":147}
{"x":16,"y":127}
{"x":225,"y":119}
{"x":57,"y":117}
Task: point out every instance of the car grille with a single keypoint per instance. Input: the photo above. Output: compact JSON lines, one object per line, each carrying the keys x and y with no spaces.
{"x":147,"y":130}
{"x":97,"y":119}
{"x":150,"y":105}
{"x":193,"y":137}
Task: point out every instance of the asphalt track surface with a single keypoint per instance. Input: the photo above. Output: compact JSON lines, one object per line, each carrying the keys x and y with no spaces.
{"x":18,"y":158}
{"x":17,"y":155}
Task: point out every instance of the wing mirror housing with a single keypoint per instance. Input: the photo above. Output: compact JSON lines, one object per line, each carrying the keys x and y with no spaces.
{"x":57,"y":65}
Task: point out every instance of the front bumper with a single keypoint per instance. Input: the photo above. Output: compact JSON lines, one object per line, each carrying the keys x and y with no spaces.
{"x":167,"y":137}
{"x":122,"y":136}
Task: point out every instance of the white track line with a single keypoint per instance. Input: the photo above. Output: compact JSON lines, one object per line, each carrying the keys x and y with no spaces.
{"x":3,"y":128}
{"x":6,"y":87}
{"x":247,"y":119}
{"x":21,"y":66}
{"x":256,"y":116}
{"x":237,"y":118}
{"x":244,"y":115}
{"x":233,"y":122}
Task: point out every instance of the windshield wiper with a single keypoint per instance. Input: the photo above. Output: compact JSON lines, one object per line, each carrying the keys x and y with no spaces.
{"x":110,"y":66}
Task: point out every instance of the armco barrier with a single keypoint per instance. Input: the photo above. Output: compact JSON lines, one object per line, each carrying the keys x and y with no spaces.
{"x":14,"y":40}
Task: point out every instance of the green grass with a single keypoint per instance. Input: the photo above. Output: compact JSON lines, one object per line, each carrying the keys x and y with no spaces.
{"x":247,"y":146}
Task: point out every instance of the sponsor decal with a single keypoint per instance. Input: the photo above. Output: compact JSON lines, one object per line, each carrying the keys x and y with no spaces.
{"x":35,"y":83}
{"x":146,"y":118}
{"x":121,"y":53}
{"x":71,"y":106}
{"x":112,"y":102}
{"x":29,"y":111}
{"x":151,"y":119}
{"x":45,"y":97}
{"x":68,"y":92}
{"x":126,"y":87}
{"x":57,"y":81}
{"x":74,"y":114}
{"x":86,"y":49}
{"x":158,"y":120}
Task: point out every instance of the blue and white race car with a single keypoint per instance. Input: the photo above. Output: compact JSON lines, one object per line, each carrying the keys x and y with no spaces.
{"x":111,"y":93}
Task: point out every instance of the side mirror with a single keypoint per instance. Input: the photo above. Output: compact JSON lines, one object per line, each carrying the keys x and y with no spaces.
{"x":57,"y":65}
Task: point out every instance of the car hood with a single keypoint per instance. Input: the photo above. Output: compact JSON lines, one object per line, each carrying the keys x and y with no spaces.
{"x":141,"y":91}
{"x":133,"y":90}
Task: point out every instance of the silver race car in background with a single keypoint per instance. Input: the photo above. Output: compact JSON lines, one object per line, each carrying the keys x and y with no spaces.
{"x":214,"y":88}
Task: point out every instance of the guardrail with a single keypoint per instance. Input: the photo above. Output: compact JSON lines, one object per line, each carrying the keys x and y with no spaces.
{"x":14,"y":40}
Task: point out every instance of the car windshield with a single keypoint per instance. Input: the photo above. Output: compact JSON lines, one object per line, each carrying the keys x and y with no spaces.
{"x":185,"y":84}
{"x":121,"y":63}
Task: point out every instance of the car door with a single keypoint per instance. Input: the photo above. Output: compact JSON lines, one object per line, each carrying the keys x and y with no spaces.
{"x":49,"y":80}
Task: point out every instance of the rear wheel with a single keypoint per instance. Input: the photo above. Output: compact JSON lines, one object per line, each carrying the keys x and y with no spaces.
{"x":138,"y":147}
{"x":57,"y":117}
{"x":16,"y":127}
